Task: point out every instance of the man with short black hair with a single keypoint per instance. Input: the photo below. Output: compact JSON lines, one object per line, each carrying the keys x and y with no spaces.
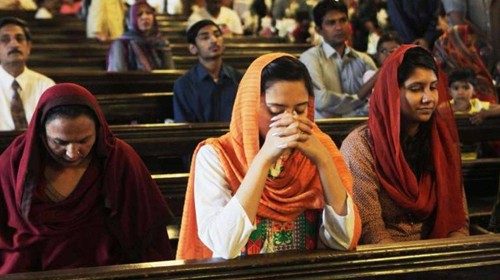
{"x":207,"y":91}
{"x":336,"y":69}
{"x":20,"y":87}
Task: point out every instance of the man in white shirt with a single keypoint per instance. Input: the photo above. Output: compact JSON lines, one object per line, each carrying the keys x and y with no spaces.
{"x":336,"y":69}
{"x":15,"y":47}
{"x":227,"y":19}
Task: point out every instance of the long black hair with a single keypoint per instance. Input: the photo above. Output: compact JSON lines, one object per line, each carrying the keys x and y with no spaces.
{"x":285,"y":68}
{"x":70,"y":112}
{"x":415,"y":58}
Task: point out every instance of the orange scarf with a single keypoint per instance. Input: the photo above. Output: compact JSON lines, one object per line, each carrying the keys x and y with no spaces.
{"x":298,"y":187}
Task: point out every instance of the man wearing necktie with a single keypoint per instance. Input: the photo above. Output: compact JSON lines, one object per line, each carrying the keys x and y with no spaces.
{"x":20,"y":87}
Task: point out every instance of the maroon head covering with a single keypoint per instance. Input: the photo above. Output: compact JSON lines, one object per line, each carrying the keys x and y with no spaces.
{"x":120,"y":201}
{"x":438,"y":194}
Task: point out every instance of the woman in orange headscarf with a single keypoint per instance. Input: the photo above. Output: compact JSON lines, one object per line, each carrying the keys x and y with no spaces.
{"x":406,"y":160}
{"x":275,"y":182}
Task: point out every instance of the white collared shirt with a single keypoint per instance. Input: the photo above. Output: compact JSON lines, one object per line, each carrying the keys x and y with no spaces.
{"x":226,"y":17}
{"x":32,"y":85}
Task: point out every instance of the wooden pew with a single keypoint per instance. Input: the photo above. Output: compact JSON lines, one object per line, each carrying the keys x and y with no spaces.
{"x":54,"y":37}
{"x":162,"y":146}
{"x":173,"y":188}
{"x":102,"y":82}
{"x":63,"y":43}
{"x":134,"y":108}
{"x":159,"y":142}
{"x":100,"y":50}
{"x":475,"y":257}
{"x":25,"y":15}
{"x":46,"y":64}
{"x":29,"y":16}
{"x":67,"y":28}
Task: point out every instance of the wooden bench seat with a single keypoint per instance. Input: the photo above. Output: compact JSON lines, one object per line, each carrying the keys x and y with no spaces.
{"x":100,"y":50}
{"x":159,"y":142}
{"x":474,"y":257}
{"x":102,"y":82}
{"x":56,"y":38}
{"x":45,"y":64}
{"x":480,"y":199}
{"x":42,"y":26}
{"x":163,"y":146}
{"x":173,"y":187}
{"x":134,"y":108}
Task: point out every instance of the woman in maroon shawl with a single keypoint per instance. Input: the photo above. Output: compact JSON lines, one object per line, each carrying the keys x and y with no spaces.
{"x":406,"y":161}
{"x":73,"y":195}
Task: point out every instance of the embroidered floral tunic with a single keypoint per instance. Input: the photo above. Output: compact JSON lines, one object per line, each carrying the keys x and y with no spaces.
{"x":224,"y":227}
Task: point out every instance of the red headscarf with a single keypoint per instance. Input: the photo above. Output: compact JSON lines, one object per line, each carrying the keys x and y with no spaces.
{"x":439,"y":193}
{"x":298,"y":188}
{"x":130,"y":204}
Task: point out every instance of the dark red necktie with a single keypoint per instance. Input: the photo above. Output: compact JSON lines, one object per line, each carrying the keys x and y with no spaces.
{"x":17,"y":109}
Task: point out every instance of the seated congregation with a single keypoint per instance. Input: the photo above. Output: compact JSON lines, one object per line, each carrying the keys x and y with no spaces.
{"x":282,"y":140}
{"x":380,"y":196}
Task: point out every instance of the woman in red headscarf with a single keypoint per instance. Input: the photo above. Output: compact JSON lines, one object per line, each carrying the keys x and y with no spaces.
{"x":275,"y":182}
{"x":406,"y":160}
{"x":142,"y":47}
{"x":73,"y":195}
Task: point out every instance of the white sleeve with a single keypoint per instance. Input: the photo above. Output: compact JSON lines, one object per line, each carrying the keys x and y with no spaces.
{"x":336,"y":231}
{"x":368,"y":75}
{"x":95,"y":18}
{"x":223,"y":225}
{"x":236,"y":26}
{"x":193,"y":18}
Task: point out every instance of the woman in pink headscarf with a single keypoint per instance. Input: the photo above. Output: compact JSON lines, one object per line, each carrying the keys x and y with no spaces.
{"x":73,"y":195}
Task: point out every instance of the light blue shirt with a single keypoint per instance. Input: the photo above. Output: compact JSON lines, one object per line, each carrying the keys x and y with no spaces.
{"x":337,"y":79}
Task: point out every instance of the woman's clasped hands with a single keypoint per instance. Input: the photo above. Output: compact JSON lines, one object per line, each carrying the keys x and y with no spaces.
{"x":288,"y":131}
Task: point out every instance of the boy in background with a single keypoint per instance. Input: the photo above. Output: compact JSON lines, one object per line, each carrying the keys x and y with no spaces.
{"x":461,"y":84}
